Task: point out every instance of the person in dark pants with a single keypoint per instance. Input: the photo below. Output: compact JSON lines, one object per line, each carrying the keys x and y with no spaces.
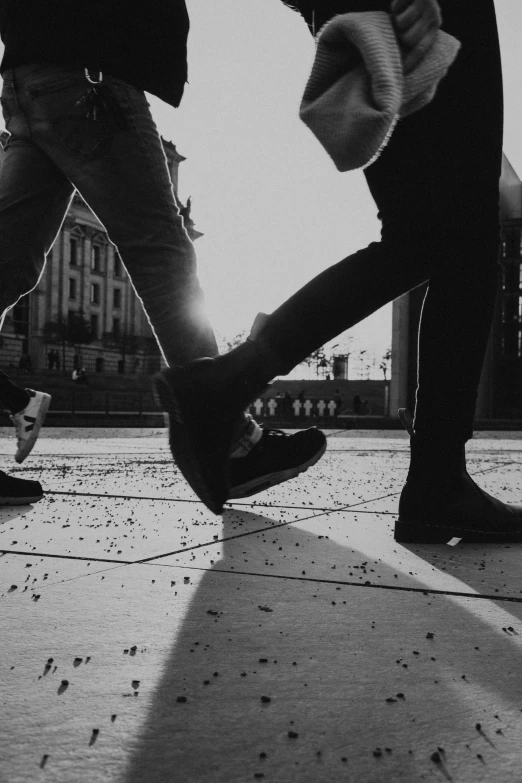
{"x":77,"y":118}
{"x":436,"y":186}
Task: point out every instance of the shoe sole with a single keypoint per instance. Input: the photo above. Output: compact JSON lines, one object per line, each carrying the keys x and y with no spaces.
{"x":184,"y":450}
{"x":26,"y":449}
{"x":272,"y":479}
{"x":6,"y":501}
{"x":421,"y":533}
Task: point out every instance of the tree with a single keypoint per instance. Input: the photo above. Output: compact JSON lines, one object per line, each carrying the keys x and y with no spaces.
{"x":228,"y":343}
{"x":361,"y":361}
{"x":73,"y":330}
{"x":318,"y":360}
{"x":385,"y":362}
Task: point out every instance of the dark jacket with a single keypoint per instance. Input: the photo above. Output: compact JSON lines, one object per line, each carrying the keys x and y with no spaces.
{"x":317,"y":12}
{"x":143,"y":42}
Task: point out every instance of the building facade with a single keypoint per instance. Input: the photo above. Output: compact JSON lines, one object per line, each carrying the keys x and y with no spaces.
{"x":84,"y":311}
{"x":500,"y":391}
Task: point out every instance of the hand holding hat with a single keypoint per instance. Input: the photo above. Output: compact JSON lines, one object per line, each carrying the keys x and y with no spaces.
{"x":359,"y":86}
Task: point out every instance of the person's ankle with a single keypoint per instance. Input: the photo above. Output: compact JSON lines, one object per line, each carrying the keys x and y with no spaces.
{"x":20,"y":404}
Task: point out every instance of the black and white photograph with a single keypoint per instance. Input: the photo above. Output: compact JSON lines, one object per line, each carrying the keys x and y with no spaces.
{"x":260,"y":391}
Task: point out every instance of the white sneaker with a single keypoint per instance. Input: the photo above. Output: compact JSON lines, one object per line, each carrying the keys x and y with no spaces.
{"x":29,"y":421}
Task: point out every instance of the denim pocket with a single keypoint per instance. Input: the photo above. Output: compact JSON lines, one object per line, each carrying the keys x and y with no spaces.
{"x":63,"y":105}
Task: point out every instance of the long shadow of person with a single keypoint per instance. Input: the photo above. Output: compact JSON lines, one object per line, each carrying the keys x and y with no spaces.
{"x":309,"y":679}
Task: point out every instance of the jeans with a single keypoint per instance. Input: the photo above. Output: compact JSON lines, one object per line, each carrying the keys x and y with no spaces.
{"x":436,"y":186}
{"x":117,"y":164}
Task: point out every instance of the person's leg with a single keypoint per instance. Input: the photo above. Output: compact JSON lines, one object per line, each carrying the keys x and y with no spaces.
{"x":117,"y":163}
{"x":464,"y":126}
{"x":447,"y":161}
{"x":122,"y":174}
{"x":436,"y":186}
{"x":34,"y":197}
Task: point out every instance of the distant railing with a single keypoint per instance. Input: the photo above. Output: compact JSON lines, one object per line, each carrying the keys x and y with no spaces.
{"x":78,"y":399}
{"x":279,"y":408}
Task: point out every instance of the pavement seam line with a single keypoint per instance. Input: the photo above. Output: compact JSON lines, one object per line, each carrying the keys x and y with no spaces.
{"x":313,"y":580}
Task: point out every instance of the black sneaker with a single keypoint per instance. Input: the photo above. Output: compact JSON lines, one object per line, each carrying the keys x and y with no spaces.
{"x":18,"y":492}
{"x":276,"y":458}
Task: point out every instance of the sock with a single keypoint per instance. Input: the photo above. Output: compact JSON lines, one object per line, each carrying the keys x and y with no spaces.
{"x":248,"y":435}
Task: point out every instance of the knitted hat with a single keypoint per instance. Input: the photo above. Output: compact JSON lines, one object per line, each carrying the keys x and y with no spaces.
{"x":357,"y":90}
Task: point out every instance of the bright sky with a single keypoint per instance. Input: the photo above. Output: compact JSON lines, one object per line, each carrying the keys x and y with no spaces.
{"x":273,"y":208}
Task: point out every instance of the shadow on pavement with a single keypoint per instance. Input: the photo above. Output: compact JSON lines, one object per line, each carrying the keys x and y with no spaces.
{"x":307,"y":681}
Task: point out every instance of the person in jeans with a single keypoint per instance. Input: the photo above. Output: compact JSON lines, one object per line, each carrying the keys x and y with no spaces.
{"x":436,"y":186}
{"x":78,"y":119}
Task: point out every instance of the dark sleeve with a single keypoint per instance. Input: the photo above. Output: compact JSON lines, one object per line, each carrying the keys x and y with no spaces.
{"x":317,"y":12}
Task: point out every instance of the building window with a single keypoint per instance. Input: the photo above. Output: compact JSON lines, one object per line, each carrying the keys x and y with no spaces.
{"x":95,"y":325}
{"x":95,"y":293}
{"x":117,"y":298}
{"x":72,"y":288}
{"x":96,"y":258}
{"x":73,"y":251}
{"x":118,"y":266}
{"x":116,"y":327}
{"x":520,"y":277}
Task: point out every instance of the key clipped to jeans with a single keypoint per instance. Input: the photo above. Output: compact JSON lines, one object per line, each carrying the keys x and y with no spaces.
{"x":100,"y":104}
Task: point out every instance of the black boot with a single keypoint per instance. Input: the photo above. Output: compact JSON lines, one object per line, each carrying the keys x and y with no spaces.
{"x":440,"y":501}
{"x":205,"y":400}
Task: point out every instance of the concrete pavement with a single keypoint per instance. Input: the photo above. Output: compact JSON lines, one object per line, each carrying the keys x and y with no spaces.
{"x":292,"y":639}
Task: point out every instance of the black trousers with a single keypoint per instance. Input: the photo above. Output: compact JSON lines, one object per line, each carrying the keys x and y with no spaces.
{"x":436,"y":186}
{"x":11,"y":396}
